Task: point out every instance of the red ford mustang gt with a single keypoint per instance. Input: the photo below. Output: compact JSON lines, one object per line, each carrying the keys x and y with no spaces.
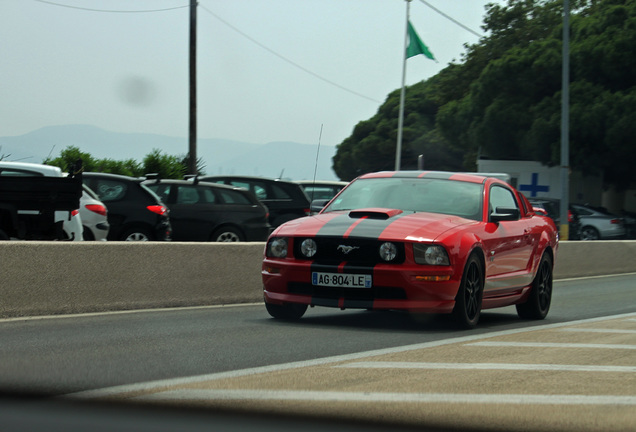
{"x":421,"y":241}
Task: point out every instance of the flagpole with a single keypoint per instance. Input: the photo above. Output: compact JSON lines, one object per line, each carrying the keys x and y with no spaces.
{"x":398,"y":149}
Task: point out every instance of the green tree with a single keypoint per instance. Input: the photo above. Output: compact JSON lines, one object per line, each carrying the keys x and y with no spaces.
{"x":165,"y":165}
{"x":155,"y":162}
{"x":503,"y":100}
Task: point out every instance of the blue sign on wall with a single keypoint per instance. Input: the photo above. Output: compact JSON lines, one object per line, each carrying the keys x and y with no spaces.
{"x":534,"y":187}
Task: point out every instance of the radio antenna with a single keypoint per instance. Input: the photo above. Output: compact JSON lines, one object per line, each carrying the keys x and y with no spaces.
{"x":317,"y":153}
{"x":316,"y":164}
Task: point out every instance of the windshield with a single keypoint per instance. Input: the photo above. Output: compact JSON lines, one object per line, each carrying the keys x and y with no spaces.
{"x":412,"y":194}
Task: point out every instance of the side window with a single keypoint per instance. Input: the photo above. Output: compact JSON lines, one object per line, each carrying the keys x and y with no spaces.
{"x":279,"y":193}
{"x":109,"y":190}
{"x":207,"y":195}
{"x":162,"y":190}
{"x":233,"y":197}
{"x":501,"y":197}
{"x":187,"y":195}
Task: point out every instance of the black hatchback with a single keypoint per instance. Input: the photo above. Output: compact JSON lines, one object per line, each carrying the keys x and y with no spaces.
{"x":285,"y":200}
{"x":201,"y":211}
{"x":135,"y":213}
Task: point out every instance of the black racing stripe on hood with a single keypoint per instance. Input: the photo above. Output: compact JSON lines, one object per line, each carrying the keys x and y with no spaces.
{"x":364,"y":227}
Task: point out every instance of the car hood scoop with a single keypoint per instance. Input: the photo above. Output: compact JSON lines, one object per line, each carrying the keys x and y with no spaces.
{"x":374,"y":213}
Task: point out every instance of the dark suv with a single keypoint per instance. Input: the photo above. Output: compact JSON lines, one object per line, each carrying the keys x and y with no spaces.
{"x":201,"y":211}
{"x":285,"y":200}
{"x":135,"y":213}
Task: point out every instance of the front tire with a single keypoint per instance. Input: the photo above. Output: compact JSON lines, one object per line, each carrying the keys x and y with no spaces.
{"x":538,"y":303}
{"x":590,"y":233}
{"x":288,"y":311}
{"x":468,"y":300}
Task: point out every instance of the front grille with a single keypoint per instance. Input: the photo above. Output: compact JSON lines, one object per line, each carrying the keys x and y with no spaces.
{"x":355,"y":251}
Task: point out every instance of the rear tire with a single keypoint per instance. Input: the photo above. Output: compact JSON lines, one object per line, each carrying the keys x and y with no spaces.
{"x":468,"y":300}
{"x":227,"y":234}
{"x":136,"y":234}
{"x":538,"y":303}
{"x":288,"y":311}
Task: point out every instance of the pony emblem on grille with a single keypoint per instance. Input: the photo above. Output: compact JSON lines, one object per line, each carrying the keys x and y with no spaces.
{"x":346,"y":249}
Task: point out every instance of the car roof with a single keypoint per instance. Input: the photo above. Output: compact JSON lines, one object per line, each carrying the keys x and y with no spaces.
{"x":237,"y":177}
{"x":113,"y":176}
{"x":190,"y":183}
{"x":47,"y":170}
{"x":321,"y":182}
{"x":440,"y":175}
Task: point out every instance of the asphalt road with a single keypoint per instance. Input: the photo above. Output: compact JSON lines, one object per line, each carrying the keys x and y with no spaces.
{"x":62,"y":355}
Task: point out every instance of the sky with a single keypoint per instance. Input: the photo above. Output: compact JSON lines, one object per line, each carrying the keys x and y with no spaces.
{"x":304,"y":71}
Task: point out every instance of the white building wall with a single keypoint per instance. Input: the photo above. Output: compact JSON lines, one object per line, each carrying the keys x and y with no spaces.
{"x":534,"y":179}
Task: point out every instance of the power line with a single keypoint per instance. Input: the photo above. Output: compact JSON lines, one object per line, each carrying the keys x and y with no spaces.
{"x":448,"y":17}
{"x":285,"y":58}
{"x":111,"y":11}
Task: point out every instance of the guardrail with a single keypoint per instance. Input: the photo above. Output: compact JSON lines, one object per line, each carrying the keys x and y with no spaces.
{"x":44,"y":278}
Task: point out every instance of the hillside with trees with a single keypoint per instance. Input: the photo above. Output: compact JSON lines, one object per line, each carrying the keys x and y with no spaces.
{"x":503,"y":100}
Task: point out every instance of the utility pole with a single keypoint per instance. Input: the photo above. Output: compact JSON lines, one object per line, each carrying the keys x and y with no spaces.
{"x":564,"y":229}
{"x":192,"y":149}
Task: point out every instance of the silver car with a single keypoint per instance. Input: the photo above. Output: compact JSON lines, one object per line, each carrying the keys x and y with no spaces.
{"x":94,"y":216}
{"x":597,"y":224}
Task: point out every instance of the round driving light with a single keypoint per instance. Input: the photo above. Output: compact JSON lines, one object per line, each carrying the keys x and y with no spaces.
{"x":308,"y":248}
{"x":388,"y":251}
{"x":278,"y":247}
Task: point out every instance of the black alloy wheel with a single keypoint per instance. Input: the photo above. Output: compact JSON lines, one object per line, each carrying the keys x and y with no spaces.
{"x":468,"y":300}
{"x":538,"y":303}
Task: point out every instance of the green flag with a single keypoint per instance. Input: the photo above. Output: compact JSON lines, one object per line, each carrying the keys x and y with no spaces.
{"x":416,"y":46}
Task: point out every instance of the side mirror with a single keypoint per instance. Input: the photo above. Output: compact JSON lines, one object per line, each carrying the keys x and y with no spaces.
{"x":539,"y":211}
{"x":317,"y":205}
{"x":505,"y":214}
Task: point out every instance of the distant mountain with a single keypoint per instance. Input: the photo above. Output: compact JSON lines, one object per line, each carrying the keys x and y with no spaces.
{"x":287,"y":159}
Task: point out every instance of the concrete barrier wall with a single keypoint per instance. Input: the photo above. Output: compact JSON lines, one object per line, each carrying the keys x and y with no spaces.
{"x":42,"y":278}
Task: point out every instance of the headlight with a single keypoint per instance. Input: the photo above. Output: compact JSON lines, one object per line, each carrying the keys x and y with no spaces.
{"x":308,"y":248}
{"x":277,"y":247}
{"x":388,"y":251}
{"x":430,"y":254}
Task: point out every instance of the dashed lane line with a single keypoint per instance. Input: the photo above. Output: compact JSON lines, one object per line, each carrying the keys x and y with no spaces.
{"x":550,"y":345}
{"x":487,"y":366}
{"x":599,"y":330}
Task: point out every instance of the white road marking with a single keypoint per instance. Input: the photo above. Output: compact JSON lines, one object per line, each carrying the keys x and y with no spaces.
{"x":599,"y":330}
{"x":551,"y":345}
{"x":332,"y":396}
{"x":154,"y":385}
{"x":487,"y":366}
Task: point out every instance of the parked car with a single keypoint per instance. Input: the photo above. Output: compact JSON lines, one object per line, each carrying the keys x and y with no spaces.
{"x":94,"y":216}
{"x":135,"y":213}
{"x":285,"y":200}
{"x":552,"y":208}
{"x":599,"y":224}
{"x":72,"y":221}
{"x":432,"y":242}
{"x":321,"y":189}
{"x":201,"y":211}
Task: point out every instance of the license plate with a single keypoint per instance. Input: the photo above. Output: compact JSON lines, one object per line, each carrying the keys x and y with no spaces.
{"x":341,"y":280}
